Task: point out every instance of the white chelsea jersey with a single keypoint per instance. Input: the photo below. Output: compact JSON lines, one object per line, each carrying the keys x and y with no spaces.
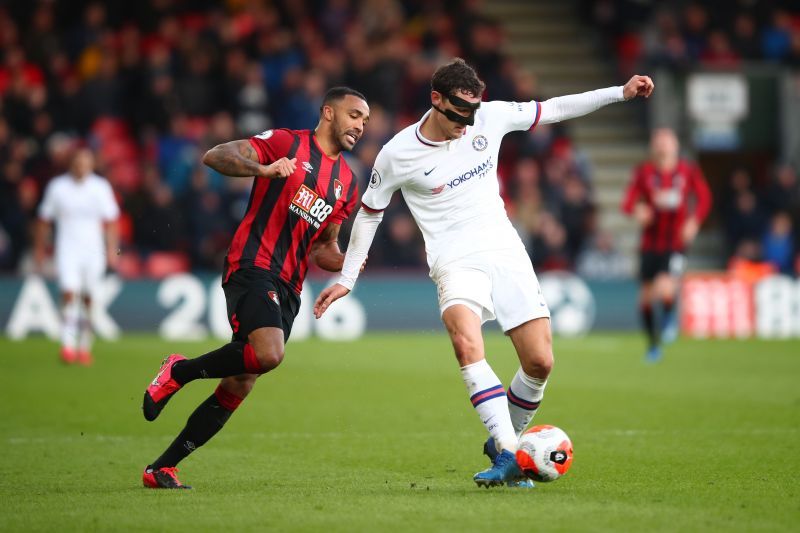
{"x":79,"y":209}
{"x":451,"y":187}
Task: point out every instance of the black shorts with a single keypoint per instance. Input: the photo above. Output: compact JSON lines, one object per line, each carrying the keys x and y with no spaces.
{"x":256,"y":299}
{"x":652,"y":264}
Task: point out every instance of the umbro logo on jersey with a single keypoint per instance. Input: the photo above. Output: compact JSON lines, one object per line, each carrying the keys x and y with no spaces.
{"x":428,"y":172}
{"x":274,"y":297}
{"x":307,"y":166}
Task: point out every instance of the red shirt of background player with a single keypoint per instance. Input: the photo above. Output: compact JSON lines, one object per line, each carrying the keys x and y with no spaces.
{"x":673,"y":196}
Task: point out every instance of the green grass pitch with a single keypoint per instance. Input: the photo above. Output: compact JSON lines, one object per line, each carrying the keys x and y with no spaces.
{"x":379,"y":435}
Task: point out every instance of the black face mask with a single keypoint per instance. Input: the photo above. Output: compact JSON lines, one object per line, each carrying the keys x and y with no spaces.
{"x":468,"y":120}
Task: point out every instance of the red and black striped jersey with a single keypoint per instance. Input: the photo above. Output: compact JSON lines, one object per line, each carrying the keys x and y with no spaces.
{"x":673,"y":196}
{"x":285,"y":216}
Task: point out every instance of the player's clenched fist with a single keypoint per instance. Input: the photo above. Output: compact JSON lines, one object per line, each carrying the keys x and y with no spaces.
{"x":282,"y":168}
{"x":638,"y":86}
{"x":327,"y":297}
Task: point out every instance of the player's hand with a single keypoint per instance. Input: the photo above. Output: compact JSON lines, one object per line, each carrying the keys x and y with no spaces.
{"x":363,"y":265}
{"x":327,"y":297}
{"x":643,"y":214}
{"x":638,"y":86}
{"x":689,"y":230}
{"x":282,"y":168}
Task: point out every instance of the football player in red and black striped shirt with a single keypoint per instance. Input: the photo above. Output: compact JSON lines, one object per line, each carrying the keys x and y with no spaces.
{"x":303,"y":190}
{"x":668,"y":196}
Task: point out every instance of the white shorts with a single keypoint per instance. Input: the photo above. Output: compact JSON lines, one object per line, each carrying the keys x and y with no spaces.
{"x":80,"y":273}
{"x":501,"y":285}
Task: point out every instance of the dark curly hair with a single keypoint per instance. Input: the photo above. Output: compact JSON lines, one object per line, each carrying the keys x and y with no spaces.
{"x":455,"y":76}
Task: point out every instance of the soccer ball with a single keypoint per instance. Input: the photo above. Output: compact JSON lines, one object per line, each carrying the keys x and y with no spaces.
{"x":544,"y":453}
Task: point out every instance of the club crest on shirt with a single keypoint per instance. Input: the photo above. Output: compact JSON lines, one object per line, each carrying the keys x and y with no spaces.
{"x":338,"y":188}
{"x":274,"y":297}
{"x":374,"y":179}
{"x":479,"y":143}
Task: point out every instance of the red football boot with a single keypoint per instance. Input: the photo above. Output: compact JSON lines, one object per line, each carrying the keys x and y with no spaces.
{"x":161,"y":389}
{"x":68,"y":355}
{"x":85,"y":358}
{"x":163,"y":478}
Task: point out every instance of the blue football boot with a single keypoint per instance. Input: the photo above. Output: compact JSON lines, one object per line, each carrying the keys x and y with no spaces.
{"x":503,"y":470}
{"x":489,"y":449}
{"x":654,"y":354}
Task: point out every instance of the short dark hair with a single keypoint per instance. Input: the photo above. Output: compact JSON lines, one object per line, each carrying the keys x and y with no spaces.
{"x":455,"y":76}
{"x":337,"y":93}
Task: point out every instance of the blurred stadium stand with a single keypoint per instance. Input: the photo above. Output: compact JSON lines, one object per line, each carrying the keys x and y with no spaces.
{"x":151,"y":85}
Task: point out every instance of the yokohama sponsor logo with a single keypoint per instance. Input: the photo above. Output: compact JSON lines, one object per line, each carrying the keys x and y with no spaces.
{"x":479,"y":172}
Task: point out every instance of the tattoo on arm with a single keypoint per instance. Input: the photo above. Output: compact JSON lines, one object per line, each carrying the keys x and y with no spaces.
{"x":235,"y":158}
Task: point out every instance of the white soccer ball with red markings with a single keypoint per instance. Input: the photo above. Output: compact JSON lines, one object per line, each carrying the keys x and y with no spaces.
{"x":544,"y":453}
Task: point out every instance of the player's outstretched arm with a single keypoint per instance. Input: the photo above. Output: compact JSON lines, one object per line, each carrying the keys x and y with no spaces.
{"x":364,"y":228}
{"x":577,"y":105}
{"x":239,"y":159}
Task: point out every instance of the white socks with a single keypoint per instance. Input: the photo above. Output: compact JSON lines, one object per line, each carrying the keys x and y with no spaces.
{"x":85,"y":336}
{"x":524,"y":395}
{"x":71,"y":314}
{"x":489,"y":399}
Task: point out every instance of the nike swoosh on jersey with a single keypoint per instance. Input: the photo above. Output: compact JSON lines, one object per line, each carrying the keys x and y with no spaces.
{"x":428,"y":172}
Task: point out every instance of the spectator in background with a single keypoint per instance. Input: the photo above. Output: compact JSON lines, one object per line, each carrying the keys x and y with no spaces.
{"x":549,"y":250}
{"x":776,"y":39}
{"x":778,"y":243}
{"x":207,"y":223}
{"x":783,"y":194}
{"x":177,"y":155}
{"x":747,"y":264}
{"x":602,"y":261}
{"x":745,"y":37}
{"x":402,"y":243}
{"x":745,"y":220}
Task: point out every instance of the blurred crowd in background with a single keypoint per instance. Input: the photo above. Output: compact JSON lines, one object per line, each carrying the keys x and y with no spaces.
{"x":710,"y":33}
{"x":760,"y":218}
{"x":151,"y":85}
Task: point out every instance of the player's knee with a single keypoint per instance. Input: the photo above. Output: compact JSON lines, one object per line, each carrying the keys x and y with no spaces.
{"x":467,"y":349}
{"x":270,"y":358}
{"x":539,"y":363}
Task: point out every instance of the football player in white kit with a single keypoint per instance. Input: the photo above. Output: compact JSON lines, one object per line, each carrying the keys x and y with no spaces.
{"x":84,"y":210}
{"x":445,"y":166}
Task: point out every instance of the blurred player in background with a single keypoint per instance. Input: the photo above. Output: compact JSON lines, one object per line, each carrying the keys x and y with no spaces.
{"x":669,"y":198}
{"x":445,"y":165}
{"x":303,"y":190}
{"x":82,"y":206}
